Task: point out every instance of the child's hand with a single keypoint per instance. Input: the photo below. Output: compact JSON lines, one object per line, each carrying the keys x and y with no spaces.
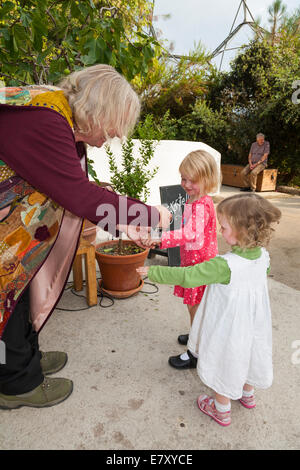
{"x":143,"y":271}
{"x":150,"y":242}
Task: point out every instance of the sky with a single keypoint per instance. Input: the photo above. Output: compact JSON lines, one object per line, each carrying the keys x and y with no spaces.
{"x":209,"y":21}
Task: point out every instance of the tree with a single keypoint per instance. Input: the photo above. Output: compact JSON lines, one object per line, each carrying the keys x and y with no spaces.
{"x":276,"y":11}
{"x":42,"y":40}
{"x":256,"y":96}
{"x":174,"y":85}
{"x":133,"y":176}
{"x":291,"y":24}
{"x":280,"y":23}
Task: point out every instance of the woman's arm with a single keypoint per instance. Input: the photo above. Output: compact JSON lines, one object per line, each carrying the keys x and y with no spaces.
{"x":39,"y":145}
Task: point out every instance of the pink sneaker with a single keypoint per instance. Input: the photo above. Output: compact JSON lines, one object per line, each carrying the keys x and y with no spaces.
{"x":248,"y":402}
{"x":207,"y":405}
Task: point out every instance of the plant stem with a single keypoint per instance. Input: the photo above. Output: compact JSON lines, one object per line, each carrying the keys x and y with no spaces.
{"x":120,"y":245}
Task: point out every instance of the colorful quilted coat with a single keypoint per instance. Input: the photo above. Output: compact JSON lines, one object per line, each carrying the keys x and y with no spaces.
{"x":38,"y":238}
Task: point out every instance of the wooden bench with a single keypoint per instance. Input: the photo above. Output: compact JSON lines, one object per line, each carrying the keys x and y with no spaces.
{"x":231,"y":174}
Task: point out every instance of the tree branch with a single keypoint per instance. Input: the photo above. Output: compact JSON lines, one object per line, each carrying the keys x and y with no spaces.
{"x":13,"y":78}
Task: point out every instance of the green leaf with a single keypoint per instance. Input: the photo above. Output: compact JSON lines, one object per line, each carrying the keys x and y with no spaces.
{"x":6,"y":8}
{"x":75,"y":12}
{"x":20,"y":33}
{"x":6,"y":33}
{"x":15,"y":44}
{"x":42,"y":55}
{"x":84,"y":9}
{"x":39,"y":30}
{"x":26,"y":19}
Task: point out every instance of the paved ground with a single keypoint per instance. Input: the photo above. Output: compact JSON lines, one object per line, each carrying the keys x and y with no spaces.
{"x":127,"y":397}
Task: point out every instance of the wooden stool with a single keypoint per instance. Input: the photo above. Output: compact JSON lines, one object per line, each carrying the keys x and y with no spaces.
{"x":88,"y":250}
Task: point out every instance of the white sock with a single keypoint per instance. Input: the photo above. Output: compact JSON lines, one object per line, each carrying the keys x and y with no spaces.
{"x":248,"y":393}
{"x":222,"y":408}
{"x":184,"y":356}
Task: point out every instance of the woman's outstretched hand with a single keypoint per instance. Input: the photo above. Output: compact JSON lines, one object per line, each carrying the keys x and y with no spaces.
{"x":165,"y":216}
{"x":140,"y":235}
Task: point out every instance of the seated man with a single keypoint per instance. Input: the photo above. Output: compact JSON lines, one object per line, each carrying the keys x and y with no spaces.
{"x":257,"y":158}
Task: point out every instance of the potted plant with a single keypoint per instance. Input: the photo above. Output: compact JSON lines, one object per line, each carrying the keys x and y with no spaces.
{"x":89,"y":231}
{"x":118,"y":259}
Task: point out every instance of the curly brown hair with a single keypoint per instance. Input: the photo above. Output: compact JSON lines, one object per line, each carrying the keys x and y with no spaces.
{"x":251,"y":217}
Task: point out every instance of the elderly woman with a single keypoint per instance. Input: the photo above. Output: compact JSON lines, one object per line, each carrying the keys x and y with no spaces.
{"x":44,"y":196}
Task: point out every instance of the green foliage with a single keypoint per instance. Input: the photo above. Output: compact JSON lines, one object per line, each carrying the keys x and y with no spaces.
{"x":132,"y":178}
{"x":203,"y":124}
{"x":91,"y":171}
{"x":43,"y":40}
{"x":174,"y":86}
{"x":256,"y":96}
{"x":168,"y":126}
{"x":227,"y":110}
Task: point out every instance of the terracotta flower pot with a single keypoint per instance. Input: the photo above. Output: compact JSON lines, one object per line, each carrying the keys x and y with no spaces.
{"x":119,"y":272}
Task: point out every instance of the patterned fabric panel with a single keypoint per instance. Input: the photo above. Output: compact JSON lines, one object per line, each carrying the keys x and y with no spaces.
{"x":5,"y":171}
{"x":29,"y":230}
{"x":26,"y":237}
{"x":35,"y":95}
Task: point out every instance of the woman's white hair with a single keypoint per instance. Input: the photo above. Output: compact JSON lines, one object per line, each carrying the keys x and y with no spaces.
{"x":100,"y":97}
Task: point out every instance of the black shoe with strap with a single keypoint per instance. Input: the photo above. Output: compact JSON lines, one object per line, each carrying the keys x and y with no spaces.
{"x":178,"y":363}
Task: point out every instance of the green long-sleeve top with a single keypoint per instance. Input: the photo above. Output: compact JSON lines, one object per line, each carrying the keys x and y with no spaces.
{"x":214,"y":271}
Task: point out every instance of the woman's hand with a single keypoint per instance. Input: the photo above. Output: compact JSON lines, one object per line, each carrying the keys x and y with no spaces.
{"x":140,"y":235}
{"x":143,"y":271}
{"x":150,"y":242}
{"x":165,"y":216}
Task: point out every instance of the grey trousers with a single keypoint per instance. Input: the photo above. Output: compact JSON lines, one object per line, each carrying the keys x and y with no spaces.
{"x":250,"y":176}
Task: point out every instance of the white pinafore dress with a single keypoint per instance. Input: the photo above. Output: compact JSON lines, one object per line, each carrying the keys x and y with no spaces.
{"x":232,"y":330}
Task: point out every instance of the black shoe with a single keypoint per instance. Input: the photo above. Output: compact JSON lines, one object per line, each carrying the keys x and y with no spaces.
{"x":183,"y":339}
{"x":245,"y":189}
{"x":178,"y":363}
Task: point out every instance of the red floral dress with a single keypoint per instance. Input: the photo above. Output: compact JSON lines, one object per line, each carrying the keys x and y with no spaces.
{"x":197,"y":239}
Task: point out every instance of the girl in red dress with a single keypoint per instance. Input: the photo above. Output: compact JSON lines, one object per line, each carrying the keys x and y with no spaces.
{"x":197,"y":236}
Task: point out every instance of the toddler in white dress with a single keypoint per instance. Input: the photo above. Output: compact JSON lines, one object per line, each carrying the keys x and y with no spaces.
{"x":231,"y":334}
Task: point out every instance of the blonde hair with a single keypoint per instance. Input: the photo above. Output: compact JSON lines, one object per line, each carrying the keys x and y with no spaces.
{"x":100,"y":97}
{"x":251,"y":217}
{"x":200,"y":166}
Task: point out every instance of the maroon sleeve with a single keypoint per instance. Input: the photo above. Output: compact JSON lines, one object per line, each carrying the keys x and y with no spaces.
{"x":39,"y":145}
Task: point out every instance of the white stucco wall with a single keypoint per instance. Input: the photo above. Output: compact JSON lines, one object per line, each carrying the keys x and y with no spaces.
{"x":168,"y":156}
